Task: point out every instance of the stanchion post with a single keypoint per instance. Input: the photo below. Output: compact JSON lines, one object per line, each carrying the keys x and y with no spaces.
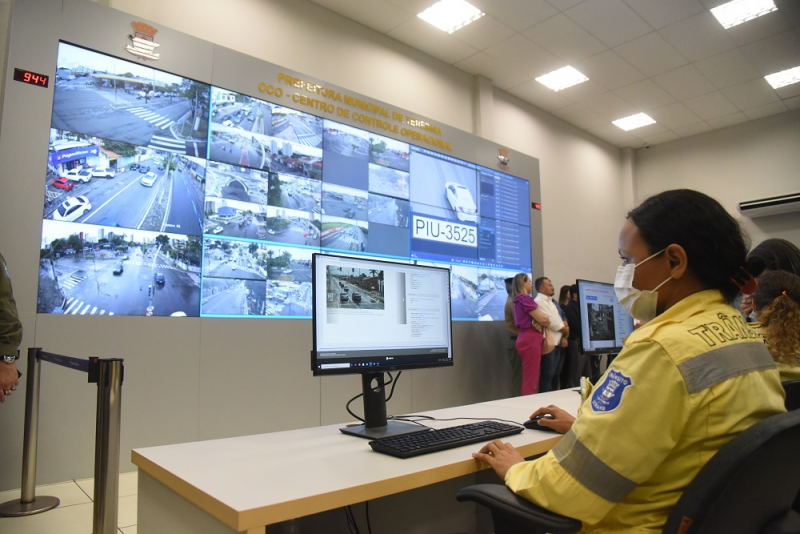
{"x":107,"y":444}
{"x":29,"y":504}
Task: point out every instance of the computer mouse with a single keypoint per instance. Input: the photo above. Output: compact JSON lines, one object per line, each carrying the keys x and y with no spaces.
{"x":533,"y":424}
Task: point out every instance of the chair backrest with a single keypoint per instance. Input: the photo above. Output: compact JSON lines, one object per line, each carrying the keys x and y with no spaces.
{"x":792,"y":389}
{"x":750,"y":482}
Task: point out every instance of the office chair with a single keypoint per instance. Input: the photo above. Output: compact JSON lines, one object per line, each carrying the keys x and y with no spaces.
{"x":792,"y":389}
{"x":749,"y":486}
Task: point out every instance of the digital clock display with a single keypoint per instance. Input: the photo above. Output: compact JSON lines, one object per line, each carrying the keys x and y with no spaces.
{"x":26,"y":76}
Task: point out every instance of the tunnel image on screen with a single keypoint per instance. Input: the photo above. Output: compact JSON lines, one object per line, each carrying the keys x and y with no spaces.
{"x":601,"y":322}
{"x":166,"y":196}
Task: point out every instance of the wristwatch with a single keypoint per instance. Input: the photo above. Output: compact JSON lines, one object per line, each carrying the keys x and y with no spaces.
{"x":10,"y":358}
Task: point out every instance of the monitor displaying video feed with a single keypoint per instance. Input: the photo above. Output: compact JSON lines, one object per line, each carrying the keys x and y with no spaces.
{"x":374,"y":315}
{"x":604,"y":323}
{"x":221,"y":199}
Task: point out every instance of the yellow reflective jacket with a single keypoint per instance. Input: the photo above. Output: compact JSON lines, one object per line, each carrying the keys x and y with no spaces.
{"x":684,"y":385}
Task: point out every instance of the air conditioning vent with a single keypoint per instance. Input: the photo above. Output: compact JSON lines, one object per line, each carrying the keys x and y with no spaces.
{"x":770,"y":206}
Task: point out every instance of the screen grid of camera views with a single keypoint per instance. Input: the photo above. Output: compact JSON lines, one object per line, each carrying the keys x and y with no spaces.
{"x":166,"y":196}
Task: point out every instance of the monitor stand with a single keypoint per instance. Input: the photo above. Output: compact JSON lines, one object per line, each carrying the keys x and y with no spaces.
{"x":376,"y":425}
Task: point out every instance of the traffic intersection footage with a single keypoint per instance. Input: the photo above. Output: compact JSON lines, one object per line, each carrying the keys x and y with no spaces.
{"x":167,"y":196}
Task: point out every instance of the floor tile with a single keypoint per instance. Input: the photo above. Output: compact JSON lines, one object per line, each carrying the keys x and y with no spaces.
{"x":128,"y":484}
{"x":126,"y":513}
{"x":66,"y":492}
{"x":76,"y":519}
{"x":129,"y":530}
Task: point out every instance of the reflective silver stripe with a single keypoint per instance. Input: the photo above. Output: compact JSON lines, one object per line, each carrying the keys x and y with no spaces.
{"x":589,"y":470}
{"x":724,"y":363}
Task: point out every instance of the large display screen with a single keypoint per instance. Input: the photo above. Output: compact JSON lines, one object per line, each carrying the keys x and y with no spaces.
{"x":604,"y":323}
{"x":168,"y":196}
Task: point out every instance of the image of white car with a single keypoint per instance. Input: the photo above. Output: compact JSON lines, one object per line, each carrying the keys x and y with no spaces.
{"x":79,"y":175}
{"x":72,"y":209}
{"x":461,"y":201}
{"x":149,"y":179}
{"x":217,"y":230}
{"x":102,"y":172}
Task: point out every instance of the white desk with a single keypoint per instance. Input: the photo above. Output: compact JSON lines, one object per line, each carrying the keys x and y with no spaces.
{"x":242,"y":484}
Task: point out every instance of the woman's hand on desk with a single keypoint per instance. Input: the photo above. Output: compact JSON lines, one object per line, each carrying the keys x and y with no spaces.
{"x":499,"y":456}
{"x":561,"y":422}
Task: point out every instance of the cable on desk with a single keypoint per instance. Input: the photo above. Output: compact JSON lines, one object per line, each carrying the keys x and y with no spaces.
{"x":391,"y":381}
{"x":406,"y":418}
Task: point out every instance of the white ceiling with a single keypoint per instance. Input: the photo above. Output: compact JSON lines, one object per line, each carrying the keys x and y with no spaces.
{"x":670,"y":59}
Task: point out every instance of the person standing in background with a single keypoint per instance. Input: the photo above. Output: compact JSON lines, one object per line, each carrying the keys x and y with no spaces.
{"x":777,"y":255}
{"x":776,"y":304}
{"x":544,"y":298}
{"x":577,"y":362}
{"x":513,"y":332}
{"x":560,"y":376}
{"x":10,"y":334}
{"x":530,"y":321}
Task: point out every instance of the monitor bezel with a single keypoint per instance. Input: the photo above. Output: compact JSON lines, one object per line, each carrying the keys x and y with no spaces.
{"x":382,"y":367}
{"x":600,"y":351}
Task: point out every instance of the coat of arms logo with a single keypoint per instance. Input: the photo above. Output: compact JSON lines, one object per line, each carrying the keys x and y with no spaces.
{"x":143,"y":44}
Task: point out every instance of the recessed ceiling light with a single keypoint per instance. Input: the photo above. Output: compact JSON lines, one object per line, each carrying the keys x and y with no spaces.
{"x":562,"y":78}
{"x":783,"y":78}
{"x":451,"y":15}
{"x":633,"y":122}
{"x":739,"y":11}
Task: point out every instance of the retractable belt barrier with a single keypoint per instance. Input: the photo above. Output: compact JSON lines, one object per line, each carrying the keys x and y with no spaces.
{"x":108,"y":375}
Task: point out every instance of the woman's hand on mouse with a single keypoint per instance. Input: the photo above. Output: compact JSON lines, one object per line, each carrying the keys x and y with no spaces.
{"x":561,"y":420}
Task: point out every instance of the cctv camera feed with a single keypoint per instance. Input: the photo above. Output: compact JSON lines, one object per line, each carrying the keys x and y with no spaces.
{"x":607,"y":323}
{"x":166,"y":196}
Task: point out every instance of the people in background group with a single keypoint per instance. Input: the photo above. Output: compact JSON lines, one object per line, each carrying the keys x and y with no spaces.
{"x":544,"y":298}
{"x":777,"y":255}
{"x":511,"y":349}
{"x":681,"y":388}
{"x":776,"y":304}
{"x":530,"y":321}
{"x":10,"y":334}
{"x":560,"y":376}
{"x":577,"y":363}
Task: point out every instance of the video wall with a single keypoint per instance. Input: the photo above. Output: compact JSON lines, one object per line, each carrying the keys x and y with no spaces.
{"x":167,"y":196}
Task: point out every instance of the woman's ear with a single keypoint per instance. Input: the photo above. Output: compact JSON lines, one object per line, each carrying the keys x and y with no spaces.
{"x":678,"y":261}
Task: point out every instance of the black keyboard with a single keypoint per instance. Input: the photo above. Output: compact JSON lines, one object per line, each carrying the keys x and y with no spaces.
{"x":408,"y":445}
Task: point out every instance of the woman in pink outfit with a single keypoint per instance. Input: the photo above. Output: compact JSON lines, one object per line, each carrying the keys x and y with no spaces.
{"x":529,"y":340}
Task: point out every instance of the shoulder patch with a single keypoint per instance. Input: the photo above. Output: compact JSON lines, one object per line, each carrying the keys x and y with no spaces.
{"x":607,"y":396}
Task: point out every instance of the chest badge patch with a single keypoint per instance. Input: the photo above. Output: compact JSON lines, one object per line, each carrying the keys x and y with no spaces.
{"x":607,"y":396}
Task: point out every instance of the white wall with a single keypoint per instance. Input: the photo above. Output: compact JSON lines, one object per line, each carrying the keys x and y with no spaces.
{"x":206,"y":378}
{"x":749,"y":161}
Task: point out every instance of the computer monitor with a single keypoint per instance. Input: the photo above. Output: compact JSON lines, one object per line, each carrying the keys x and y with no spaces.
{"x":605,"y":324}
{"x":372,"y":316}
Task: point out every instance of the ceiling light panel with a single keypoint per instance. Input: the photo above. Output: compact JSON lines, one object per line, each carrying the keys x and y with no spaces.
{"x":739,"y":11}
{"x":451,"y":15}
{"x":562,"y":78}
{"x":633,"y":122}
{"x":783,"y":78}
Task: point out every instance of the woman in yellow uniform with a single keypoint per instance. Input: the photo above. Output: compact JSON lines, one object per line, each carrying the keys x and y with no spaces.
{"x":688,"y":380}
{"x":776,"y":304}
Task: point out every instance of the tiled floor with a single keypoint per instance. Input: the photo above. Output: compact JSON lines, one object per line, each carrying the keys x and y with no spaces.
{"x":74,"y":513}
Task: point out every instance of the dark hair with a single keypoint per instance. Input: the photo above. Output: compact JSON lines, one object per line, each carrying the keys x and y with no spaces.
{"x":715,"y":245}
{"x":777,"y":300}
{"x":538,"y":283}
{"x":573,"y":289}
{"x":562,"y":294}
{"x":778,"y":255}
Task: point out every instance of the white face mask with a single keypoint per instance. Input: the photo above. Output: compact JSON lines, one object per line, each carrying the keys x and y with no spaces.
{"x":641,"y":305}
